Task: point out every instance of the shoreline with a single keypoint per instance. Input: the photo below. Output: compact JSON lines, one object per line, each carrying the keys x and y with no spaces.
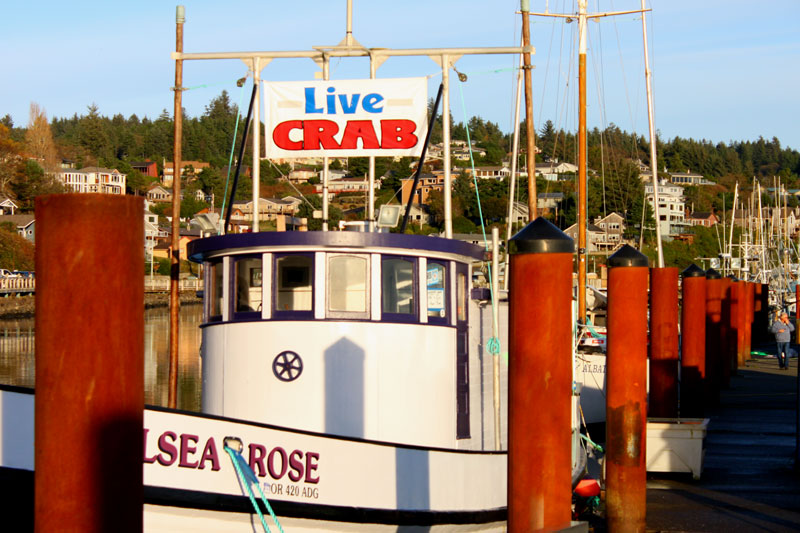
{"x":13,"y":307}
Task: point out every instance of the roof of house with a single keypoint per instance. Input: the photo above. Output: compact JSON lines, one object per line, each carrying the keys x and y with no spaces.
{"x":17,"y":220}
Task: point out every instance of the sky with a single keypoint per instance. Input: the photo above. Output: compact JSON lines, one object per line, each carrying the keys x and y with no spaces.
{"x":722,"y":70}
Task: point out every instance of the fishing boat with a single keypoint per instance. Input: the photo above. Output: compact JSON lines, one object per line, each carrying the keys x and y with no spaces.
{"x":349,"y":379}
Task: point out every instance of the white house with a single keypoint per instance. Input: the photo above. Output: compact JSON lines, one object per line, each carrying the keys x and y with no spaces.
{"x":93,"y":180}
{"x":671,"y":207}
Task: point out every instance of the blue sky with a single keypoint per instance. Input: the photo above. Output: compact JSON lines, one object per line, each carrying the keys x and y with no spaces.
{"x":722,"y":70}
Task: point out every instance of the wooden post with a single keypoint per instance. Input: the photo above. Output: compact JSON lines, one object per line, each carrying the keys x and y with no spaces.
{"x":626,"y":391}
{"x":693,"y":343}
{"x":663,"y":343}
{"x":540,"y":373}
{"x":89,"y":363}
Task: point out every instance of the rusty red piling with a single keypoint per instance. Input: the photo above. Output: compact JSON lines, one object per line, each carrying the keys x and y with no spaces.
{"x":758,"y":309}
{"x":89,"y":363}
{"x":663,"y":343}
{"x":741,"y":323}
{"x":715,"y":296}
{"x":749,"y":318}
{"x":693,"y":343}
{"x":540,"y":373}
{"x":727,"y":341}
{"x":626,"y":391}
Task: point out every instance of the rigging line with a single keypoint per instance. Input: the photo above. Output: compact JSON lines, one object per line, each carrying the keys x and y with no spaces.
{"x":600,"y":83}
{"x":230,"y":159}
{"x":284,"y":176}
{"x":547,"y":69}
{"x":494,"y":347}
{"x":624,"y":76}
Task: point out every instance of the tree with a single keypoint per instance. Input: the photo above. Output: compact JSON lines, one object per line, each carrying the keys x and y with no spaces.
{"x":39,"y":139}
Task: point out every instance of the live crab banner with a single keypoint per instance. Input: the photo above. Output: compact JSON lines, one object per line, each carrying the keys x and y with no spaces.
{"x":383,"y":117}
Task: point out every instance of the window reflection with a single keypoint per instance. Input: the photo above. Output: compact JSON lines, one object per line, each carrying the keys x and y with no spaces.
{"x":293,"y":277}
{"x":215,"y":288}
{"x":347,"y":283}
{"x":435,"y":280}
{"x":397,"y":282}
{"x":248,"y":285}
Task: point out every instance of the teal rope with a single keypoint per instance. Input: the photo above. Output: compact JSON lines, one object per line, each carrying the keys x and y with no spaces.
{"x":230,"y":159}
{"x":248,"y":479}
{"x":493,"y":346}
{"x":594,"y":331}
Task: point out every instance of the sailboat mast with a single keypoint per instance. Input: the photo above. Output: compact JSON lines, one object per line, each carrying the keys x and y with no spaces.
{"x":653,"y":161}
{"x":175,"y":260}
{"x":531,"y":149}
{"x":582,"y":185}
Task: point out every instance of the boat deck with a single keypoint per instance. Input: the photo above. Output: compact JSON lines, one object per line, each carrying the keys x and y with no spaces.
{"x":748,"y":481}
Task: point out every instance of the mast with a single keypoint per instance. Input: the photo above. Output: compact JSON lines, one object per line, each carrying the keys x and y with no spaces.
{"x":175,"y":259}
{"x":652,"y":127}
{"x":531,"y":149}
{"x":582,"y":161}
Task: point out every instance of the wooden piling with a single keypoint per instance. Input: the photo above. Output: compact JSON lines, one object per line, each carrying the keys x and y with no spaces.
{"x":626,"y":391}
{"x":540,"y":373}
{"x":693,"y":343}
{"x":663,"y":343}
{"x":89,"y":363}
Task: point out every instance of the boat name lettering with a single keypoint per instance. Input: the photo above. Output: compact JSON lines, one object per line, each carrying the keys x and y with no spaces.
{"x":190,"y":451}
{"x":299,"y":465}
{"x":594,"y":368}
{"x":184,"y":449}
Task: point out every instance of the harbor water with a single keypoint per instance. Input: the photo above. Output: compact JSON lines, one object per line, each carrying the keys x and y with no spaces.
{"x":17,"y":355}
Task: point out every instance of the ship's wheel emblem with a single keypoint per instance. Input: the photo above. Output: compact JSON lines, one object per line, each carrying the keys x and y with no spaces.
{"x":287,"y":366}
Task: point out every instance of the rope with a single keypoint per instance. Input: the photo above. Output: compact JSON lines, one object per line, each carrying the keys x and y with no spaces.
{"x":493,"y":345}
{"x":230,"y":160}
{"x":248,"y":478}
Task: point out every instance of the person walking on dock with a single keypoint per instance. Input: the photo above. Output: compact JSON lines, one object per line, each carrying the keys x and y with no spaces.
{"x":782,"y":328}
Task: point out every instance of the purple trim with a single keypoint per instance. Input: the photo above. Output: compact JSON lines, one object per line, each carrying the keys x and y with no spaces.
{"x":200,"y":249}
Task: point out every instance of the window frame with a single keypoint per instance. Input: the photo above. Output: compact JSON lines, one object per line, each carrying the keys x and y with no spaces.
{"x":280,"y":314}
{"x":352,"y":315}
{"x":439,"y":320}
{"x":233,"y":290}
{"x":407,"y":318}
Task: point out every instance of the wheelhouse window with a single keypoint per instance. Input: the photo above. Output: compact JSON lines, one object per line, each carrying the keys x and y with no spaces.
{"x":294,"y":279}
{"x":397,"y":289}
{"x":214,"y":273}
{"x":247,"y":287}
{"x":436,"y":282}
{"x":348,"y":286}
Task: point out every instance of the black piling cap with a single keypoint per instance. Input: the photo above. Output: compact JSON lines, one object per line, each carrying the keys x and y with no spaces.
{"x":628,"y":256}
{"x":713,"y":274}
{"x":733,"y":278}
{"x":541,"y":237}
{"x":693,"y":271}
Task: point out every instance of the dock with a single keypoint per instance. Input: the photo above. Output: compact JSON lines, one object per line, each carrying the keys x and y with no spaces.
{"x":748,"y":482}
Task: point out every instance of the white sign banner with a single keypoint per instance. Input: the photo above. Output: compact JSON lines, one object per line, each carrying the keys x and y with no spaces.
{"x":342,"y":118}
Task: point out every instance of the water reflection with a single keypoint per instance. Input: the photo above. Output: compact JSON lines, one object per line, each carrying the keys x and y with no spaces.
{"x":17,"y":360}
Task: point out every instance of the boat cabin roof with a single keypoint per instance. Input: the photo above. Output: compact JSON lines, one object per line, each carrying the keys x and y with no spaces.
{"x":417,"y":245}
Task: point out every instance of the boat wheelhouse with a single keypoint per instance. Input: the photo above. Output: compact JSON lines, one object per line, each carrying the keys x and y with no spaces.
{"x":361,"y":335}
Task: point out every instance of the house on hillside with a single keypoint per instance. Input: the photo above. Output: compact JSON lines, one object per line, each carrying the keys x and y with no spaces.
{"x":671,"y":207}
{"x":158,"y":194}
{"x":188,"y":169}
{"x":93,"y":180}
{"x":146,"y":167}
{"x":702,"y":218}
{"x":25,"y":225}
{"x":7,"y":206}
